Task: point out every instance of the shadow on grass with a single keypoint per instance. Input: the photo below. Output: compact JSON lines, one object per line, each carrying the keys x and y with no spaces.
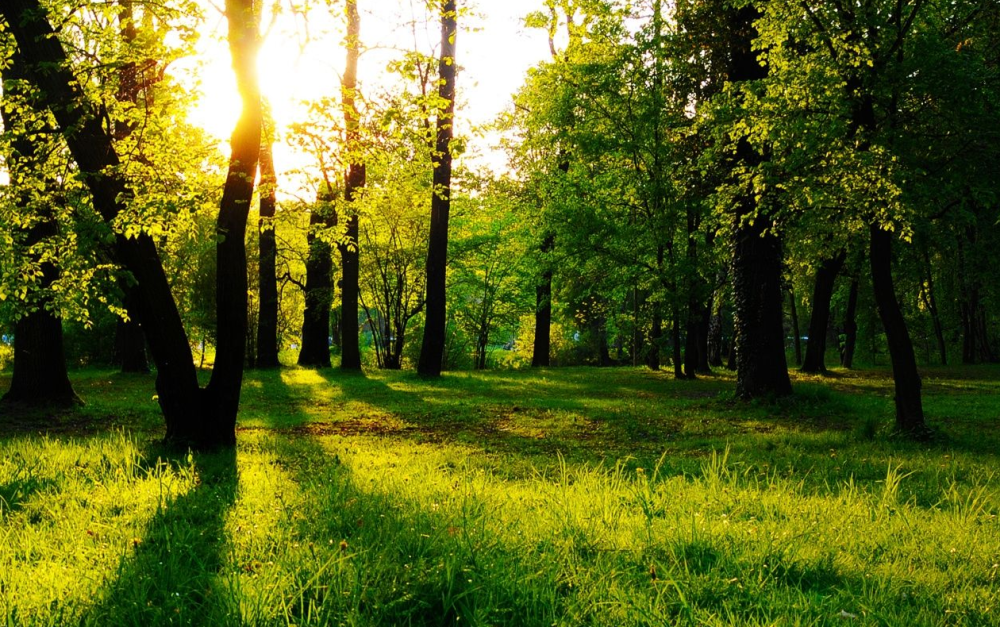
{"x":171,"y":576}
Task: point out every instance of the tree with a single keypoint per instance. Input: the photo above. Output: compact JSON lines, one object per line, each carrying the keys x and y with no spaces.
{"x":354,"y":184}
{"x":194,"y":416}
{"x":267,"y":324}
{"x":432,"y":348}
{"x":39,"y":376}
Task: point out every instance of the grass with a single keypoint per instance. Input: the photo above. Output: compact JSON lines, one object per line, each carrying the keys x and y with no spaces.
{"x":560,"y":497}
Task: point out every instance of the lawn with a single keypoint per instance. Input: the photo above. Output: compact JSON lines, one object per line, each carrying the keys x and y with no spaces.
{"x":554,"y":497}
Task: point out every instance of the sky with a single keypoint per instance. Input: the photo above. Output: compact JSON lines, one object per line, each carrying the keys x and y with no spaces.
{"x":301,"y":60}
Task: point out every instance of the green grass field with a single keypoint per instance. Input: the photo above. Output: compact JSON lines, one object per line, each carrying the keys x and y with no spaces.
{"x":560,"y":497}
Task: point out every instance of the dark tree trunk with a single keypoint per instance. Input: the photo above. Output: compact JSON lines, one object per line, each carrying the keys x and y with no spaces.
{"x":909,"y":410}
{"x":354,"y":183}
{"x":715,"y":338}
{"x":655,"y":338}
{"x":931,"y":303}
{"x":826,"y":278}
{"x":130,"y":343}
{"x":703,"y":365}
{"x":691,"y":339}
{"x":675,"y":338}
{"x":194,"y":417}
{"x":850,"y":327}
{"x":761,"y":368}
{"x":543,"y":310}
{"x":796,"y":335}
{"x":315,"y":350}
{"x":40,"y":377}
{"x":223,"y":389}
{"x":599,"y":329}
{"x":267,"y":321}
{"x":432,"y":348}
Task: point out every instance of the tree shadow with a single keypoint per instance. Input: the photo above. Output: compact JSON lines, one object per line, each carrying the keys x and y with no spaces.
{"x":171,"y":575}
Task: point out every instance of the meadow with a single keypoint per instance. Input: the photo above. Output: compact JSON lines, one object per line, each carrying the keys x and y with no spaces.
{"x":576,"y":496}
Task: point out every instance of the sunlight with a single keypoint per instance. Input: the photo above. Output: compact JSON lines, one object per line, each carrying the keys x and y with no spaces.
{"x":301,"y":59}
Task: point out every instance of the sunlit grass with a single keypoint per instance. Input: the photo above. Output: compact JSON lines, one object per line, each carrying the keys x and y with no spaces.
{"x":580,"y":497}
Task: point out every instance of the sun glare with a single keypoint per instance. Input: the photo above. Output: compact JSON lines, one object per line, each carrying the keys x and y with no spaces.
{"x":301,"y":58}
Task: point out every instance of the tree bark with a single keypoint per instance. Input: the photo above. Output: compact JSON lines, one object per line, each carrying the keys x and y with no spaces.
{"x":761,"y":367}
{"x":543,"y":311}
{"x":315,"y":350}
{"x":130,"y":343}
{"x":194,"y":417}
{"x":355,"y":180}
{"x":909,"y":410}
{"x":931,"y":303}
{"x":432,"y":348}
{"x":826,"y":278}
{"x":267,"y":321}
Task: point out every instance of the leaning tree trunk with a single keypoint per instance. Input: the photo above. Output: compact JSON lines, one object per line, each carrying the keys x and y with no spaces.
{"x":909,"y":410}
{"x":194,"y":417}
{"x":40,"y":376}
{"x":761,"y":368}
{"x":432,"y":348}
{"x":267,"y":318}
{"x":826,"y":278}
{"x":355,"y":180}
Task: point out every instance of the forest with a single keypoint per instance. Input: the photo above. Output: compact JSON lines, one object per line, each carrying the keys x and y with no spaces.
{"x":701,"y":328}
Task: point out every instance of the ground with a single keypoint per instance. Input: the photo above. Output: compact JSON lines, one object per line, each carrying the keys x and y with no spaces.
{"x":553,"y":497}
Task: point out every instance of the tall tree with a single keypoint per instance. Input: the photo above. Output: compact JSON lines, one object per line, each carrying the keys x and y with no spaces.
{"x":39,"y":376}
{"x":826,"y":277}
{"x":267,"y":321}
{"x":315,"y":350}
{"x":761,"y":367}
{"x":432,"y":349}
{"x":354,"y":184}
{"x":195,"y":417}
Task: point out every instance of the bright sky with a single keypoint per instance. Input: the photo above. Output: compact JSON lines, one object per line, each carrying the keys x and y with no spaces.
{"x":300,"y":62}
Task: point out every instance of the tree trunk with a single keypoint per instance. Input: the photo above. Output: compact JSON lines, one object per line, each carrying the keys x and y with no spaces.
{"x":691,"y":338}
{"x":40,"y":377}
{"x":796,"y":335}
{"x":675,"y":337}
{"x":354,"y":183}
{"x":826,"y":278}
{"x":315,"y":350}
{"x":432,"y":348}
{"x":267,"y":321}
{"x":931,"y":303}
{"x":761,"y":368}
{"x":850,"y":327}
{"x":909,"y":411}
{"x":194,"y":417}
{"x":543,"y":310}
{"x":655,"y":338}
{"x":130,"y":343}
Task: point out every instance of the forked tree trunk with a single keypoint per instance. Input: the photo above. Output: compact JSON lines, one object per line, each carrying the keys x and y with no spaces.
{"x":432,"y":348}
{"x":761,"y":368}
{"x":355,"y":180}
{"x":195,"y":417}
{"x":909,"y":410}
{"x":826,"y":279}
